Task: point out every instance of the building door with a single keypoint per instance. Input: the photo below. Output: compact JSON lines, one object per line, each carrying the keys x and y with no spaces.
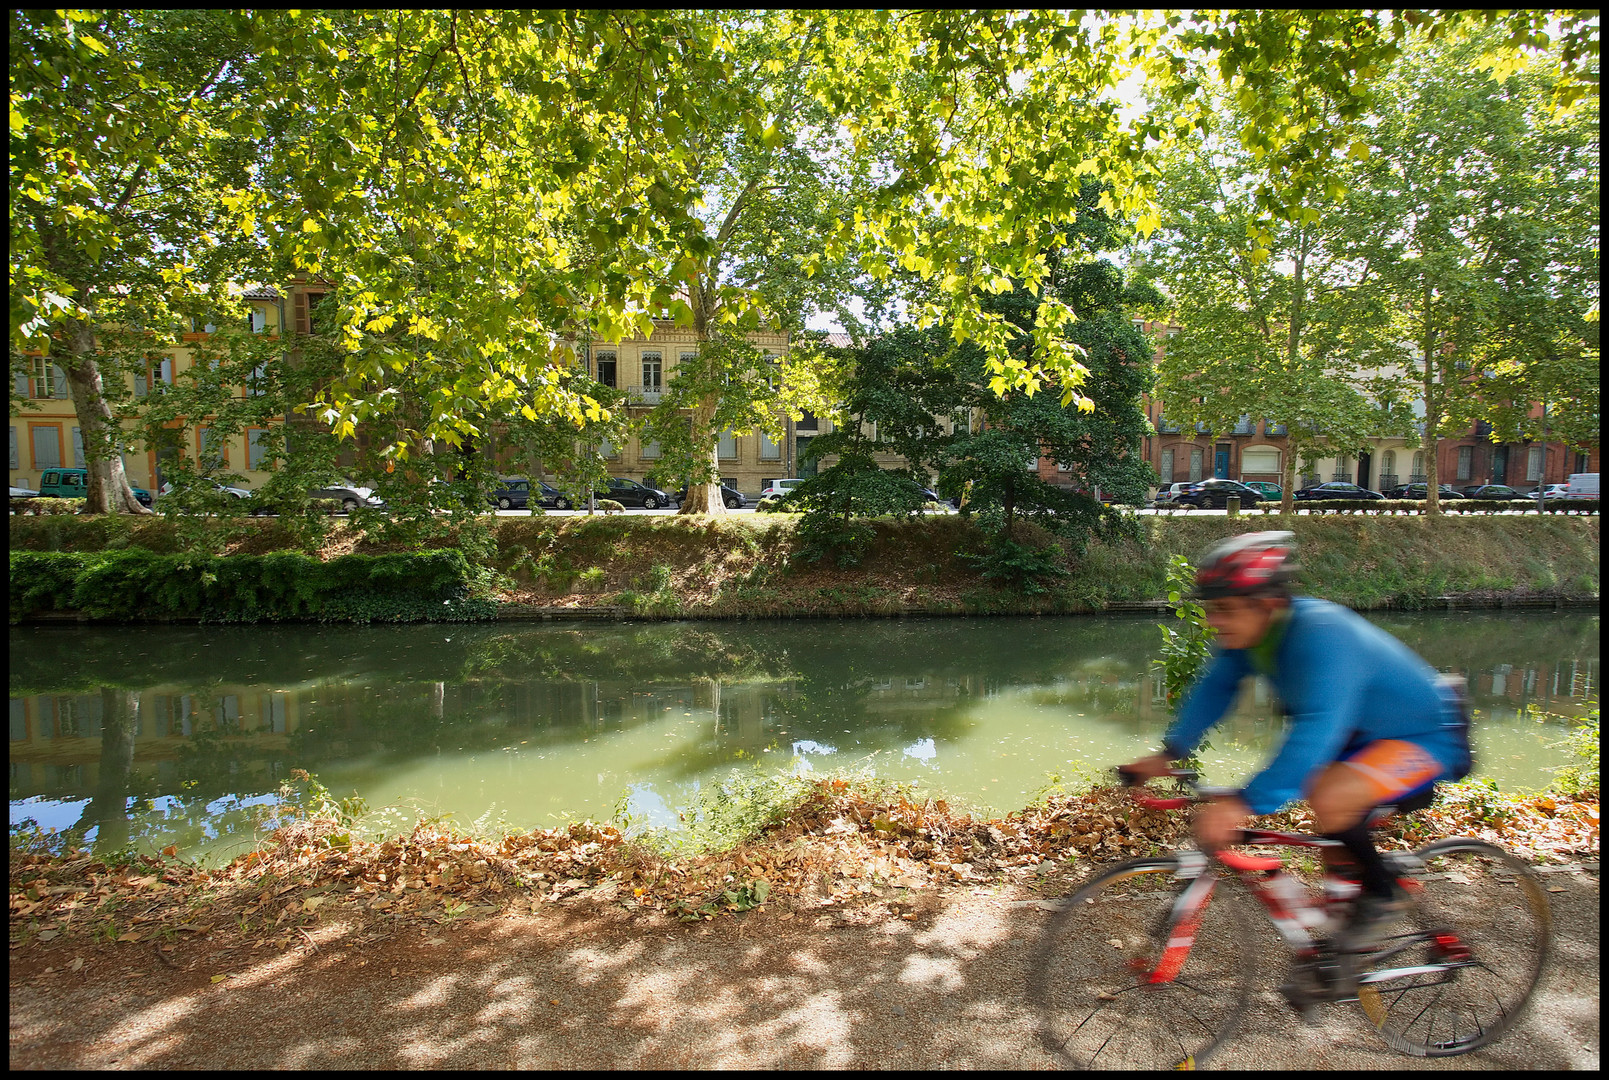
{"x":1364,"y":461}
{"x":806,"y":469}
{"x":1500,"y":465}
{"x":1220,"y":462}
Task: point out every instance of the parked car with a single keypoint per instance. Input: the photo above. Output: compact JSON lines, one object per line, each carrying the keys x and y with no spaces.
{"x":350,"y":496}
{"x":1583,"y":485}
{"x":237,"y":492}
{"x":776,"y":489}
{"x":1265,"y":489}
{"x":1216,"y":493}
{"x":23,"y":492}
{"x":1554,"y":491}
{"x":731,"y":496}
{"x":1492,"y":491}
{"x":631,"y":493}
{"x":1422,"y":491}
{"x":513,"y":493}
{"x":1166,"y":496}
{"x":1336,"y":489}
{"x":549,"y":497}
{"x":74,"y":484}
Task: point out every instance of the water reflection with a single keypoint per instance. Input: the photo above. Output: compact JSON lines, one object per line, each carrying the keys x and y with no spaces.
{"x":171,"y":735}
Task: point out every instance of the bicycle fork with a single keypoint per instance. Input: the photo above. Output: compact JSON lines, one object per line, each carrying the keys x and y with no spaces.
{"x":1185,"y":918}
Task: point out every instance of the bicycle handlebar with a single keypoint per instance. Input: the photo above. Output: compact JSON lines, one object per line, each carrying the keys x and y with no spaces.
{"x":1187,"y":777}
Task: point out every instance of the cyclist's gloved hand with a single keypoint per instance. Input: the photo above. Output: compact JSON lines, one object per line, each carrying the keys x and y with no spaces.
{"x":1140,"y":771}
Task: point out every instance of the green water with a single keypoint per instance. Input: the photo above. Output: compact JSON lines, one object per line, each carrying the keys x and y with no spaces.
{"x":170,"y":735}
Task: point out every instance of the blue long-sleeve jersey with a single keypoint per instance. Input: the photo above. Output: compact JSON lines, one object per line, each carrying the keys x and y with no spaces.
{"x":1343,"y":682}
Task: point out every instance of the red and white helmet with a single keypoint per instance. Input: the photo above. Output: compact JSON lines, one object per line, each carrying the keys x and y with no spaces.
{"x":1253,"y":564}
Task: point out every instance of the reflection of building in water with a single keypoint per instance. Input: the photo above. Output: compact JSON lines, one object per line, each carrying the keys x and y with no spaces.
{"x":56,"y":739}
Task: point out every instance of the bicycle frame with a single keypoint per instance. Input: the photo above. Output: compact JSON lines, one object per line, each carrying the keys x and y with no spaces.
{"x":1185,"y":917}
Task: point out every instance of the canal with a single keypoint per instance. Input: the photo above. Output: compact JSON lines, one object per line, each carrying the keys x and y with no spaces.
{"x":172,"y":735}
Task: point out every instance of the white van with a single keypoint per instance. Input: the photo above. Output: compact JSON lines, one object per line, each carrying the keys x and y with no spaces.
{"x":1583,"y":485}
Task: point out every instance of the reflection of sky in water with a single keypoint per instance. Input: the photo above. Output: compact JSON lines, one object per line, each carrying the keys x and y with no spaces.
{"x":810,"y":746}
{"x":63,"y":814}
{"x":922,"y":751}
{"x":643,"y":803}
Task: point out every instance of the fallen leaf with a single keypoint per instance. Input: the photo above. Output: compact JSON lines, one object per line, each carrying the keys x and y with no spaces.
{"x":219,"y":978}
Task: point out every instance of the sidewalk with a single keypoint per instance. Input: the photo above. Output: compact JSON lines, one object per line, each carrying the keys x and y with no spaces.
{"x":936,"y":983}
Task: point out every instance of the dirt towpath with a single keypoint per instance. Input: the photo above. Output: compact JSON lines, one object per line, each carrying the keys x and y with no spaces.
{"x":936,"y":983}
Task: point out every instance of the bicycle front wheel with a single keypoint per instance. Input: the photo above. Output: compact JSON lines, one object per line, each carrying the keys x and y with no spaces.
{"x":1480,"y":932}
{"x":1091,"y":976}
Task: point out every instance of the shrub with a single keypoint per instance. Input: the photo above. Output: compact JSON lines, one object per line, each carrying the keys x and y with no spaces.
{"x":43,"y":506}
{"x":1582,"y":774}
{"x":843,"y":541}
{"x":610,"y":506}
{"x":1018,"y":566}
{"x":138,"y":584}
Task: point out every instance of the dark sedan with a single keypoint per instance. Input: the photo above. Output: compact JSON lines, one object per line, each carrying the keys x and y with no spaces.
{"x":1493,"y":491}
{"x":1336,"y":489}
{"x":631,"y":493}
{"x":1420,"y":491}
{"x":1216,"y":493}
{"x":512,"y":494}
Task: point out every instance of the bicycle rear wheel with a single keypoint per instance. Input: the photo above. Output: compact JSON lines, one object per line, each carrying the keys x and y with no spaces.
{"x":1089,"y":977}
{"x":1480,"y":919}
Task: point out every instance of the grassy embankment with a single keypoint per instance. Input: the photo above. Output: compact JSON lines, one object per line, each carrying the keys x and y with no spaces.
{"x":744,"y":566}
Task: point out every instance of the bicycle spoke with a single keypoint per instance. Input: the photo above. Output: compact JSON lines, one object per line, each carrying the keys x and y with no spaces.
{"x":1488,"y":908}
{"x":1090,"y":975}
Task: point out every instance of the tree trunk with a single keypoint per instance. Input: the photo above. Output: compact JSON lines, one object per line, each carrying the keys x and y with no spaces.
{"x":1287,"y":495}
{"x":108,"y":490}
{"x":1432,"y":441}
{"x":705,"y":498}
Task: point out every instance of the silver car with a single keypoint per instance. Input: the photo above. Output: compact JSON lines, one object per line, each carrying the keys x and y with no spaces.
{"x":1168,"y":496}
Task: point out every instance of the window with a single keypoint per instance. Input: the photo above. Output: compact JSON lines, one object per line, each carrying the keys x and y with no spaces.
{"x":213,"y":449}
{"x":1271,"y":428}
{"x":608,"y":449}
{"x":1388,"y":463}
{"x":652,"y":372}
{"x":1466,"y":462}
{"x":46,"y":445}
{"x":807,"y":422}
{"x":1259,"y":459}
{"x":259,"y":448}
{"x":78,"y":448}
{"x":1195,"y":463}
{"x":49,"y":380}
{"x":1418,"y":463}
{"x":160,"y":371}
{"x":1533,"y":463}
{"x":257,"y":385}
{"x":769,"y":449}
{"x":1167,"y":466}
{"x":314,"y":323}
{"x":687,"y":358}
{"x":14,"y":464}
{"x":20,"y":382}
{"x":651,"y":450}
{"x":606,"y":368}
{"x":258,"y":320}
{"x":726,"y":445}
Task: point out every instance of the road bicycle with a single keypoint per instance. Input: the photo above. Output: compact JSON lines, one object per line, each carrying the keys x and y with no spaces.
{"x":1151,"y":964}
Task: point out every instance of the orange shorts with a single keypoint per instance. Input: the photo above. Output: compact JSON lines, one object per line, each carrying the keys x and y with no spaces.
{"x":1394,"y":767}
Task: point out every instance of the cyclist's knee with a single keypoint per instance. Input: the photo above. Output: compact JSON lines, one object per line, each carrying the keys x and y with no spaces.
{"x":1337,"y":804}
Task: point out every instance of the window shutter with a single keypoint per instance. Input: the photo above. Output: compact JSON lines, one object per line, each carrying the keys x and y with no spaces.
{"x":300,"y":305}
{"x":58,"y":379}
{"x":21,"y":383}
{"x":78,"y":448}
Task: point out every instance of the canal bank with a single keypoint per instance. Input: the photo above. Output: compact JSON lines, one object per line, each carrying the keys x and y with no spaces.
{"x":622,"y":567}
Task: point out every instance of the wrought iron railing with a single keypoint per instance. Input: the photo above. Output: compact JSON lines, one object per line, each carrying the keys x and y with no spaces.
{"x":1340,"y":476}
{"x":1418,"y":478}
{"x":1167,"y":427}
{"x":1202,"y":428}
{"x":647,"y":395}
{"x":1388,"y":480}
{"x":1244,"y":426}
{"x":1271,"y":428}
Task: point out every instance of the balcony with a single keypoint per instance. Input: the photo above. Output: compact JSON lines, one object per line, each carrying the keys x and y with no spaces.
{"x":1341,"y":476}
{"x":1203,"y":429}
{"x":1167,"y":427}
{"x":1418,"y":478}
{"x":1388,"y":481}
{"x":649,"y":395}
{"x":1482,"y":429}
{"x":1271,"y":428}
{"x":1244,"y":426}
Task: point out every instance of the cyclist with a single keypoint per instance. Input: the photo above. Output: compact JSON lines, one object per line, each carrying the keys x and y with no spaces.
{"x":1369,"y":722}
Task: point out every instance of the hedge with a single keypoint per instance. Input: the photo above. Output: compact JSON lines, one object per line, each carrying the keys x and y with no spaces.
{"x":135,"y":583}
